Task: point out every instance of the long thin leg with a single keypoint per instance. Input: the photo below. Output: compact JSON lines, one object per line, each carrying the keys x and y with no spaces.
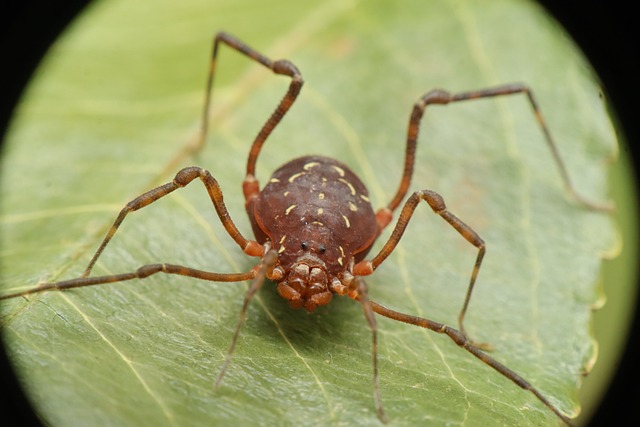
{"x":182,"y":178}
{"x":442,"y":97}
{"x":461,"y":339}
{"x":362,"y":296}
{"x":141,"y":273}
{"x":366,"y":267}
{"x":265,"y":270}
{"x":283,"y":67}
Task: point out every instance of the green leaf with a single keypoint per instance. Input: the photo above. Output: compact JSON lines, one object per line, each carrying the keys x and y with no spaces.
{"x":109,"y":116}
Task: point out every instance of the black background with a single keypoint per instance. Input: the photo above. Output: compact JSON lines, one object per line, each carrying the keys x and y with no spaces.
{"x":605,"y":30}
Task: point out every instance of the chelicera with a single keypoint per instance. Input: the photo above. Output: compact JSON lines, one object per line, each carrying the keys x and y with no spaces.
{"x":314,"y":225}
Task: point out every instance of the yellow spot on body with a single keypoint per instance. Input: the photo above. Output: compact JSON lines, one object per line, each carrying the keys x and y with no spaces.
{"x":310,"y":165}
{"x":363,"y":197}
{"x":289,"y":209}
{"x":274,"y":180}
{"x":296,"y":175}
{"x":286,"y":193}
{"x":348,"y":184}
{"x":282,"y":239}
{"x":346,"y":220}
{"x":341,"y":250}
{"x":282,"y":249}
{"x":338,"y":169}
{"x":317,"y":223}
{"x":320,"y":211}
{"x":353,"y":207}
{"x":340,"y":260}
{"x":321,"y":196}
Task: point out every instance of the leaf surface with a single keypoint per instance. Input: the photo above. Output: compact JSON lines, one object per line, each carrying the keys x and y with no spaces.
{"x":109,"y":116}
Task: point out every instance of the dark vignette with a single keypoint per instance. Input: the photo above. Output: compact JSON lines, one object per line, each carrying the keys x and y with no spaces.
{"x":605,"y":31}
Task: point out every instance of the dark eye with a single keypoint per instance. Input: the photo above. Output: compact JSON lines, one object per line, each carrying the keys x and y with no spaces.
{"x":323,"y":249}
{"x":304,"y":246}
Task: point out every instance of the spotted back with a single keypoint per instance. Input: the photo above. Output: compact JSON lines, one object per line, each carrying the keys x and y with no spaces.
{"x":316,"y":204}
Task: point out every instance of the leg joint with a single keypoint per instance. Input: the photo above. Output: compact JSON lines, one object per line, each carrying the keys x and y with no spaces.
{"x":435,"y":200}
{"x":287,"y":68}
{"x":436,"y":96}
{"x":186,"y":175}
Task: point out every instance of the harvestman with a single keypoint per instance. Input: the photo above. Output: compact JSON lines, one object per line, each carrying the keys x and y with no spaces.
{"x":314,"y":225}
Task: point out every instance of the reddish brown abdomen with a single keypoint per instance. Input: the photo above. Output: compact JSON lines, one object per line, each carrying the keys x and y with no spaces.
{"x":315,"y":199}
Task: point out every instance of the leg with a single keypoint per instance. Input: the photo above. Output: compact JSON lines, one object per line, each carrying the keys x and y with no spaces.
{"x":182,"y":178}
{"x":141,"y":273}
{"x":362,"y":297}
{"x":265,"y":270}
{"x":283,"y":67}
{"x":460,"y":338}
{"x":365,"y":267}
{"x":443,"y":98}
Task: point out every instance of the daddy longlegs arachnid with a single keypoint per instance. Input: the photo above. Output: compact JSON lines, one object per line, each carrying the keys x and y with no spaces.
{"x":314,"y":225}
